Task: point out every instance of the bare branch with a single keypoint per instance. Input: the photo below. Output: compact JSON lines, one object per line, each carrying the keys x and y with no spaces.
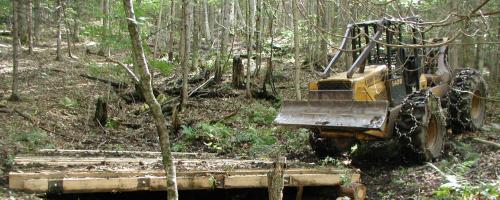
{"x":129,"y":71}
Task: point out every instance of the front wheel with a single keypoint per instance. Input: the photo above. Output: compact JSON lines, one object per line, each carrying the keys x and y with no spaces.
{"x":421,"y":126}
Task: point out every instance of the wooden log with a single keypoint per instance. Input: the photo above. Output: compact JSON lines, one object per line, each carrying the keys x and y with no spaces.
{"x":71,"y":152}
{"x":355,"y":191}
{"x":106,"y":81}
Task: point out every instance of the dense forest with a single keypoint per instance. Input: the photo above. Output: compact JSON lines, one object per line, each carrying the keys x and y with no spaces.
{"x":210,"y":76}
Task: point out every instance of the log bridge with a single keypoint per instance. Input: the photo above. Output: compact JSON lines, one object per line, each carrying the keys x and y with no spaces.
{"x":90,"y":171}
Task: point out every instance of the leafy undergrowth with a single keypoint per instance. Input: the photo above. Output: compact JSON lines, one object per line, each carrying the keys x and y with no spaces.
{"x":467,"y":170}
{"x":249,"y":133}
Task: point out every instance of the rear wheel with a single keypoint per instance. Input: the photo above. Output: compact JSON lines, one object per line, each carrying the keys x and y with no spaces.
{"x":467,"y":104}
{"x":333,"y":147}
{"x":421,"y":126}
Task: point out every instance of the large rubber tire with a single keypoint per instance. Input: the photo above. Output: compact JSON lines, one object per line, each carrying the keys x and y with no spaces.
{"x":421,"y":127}
{"x":467,"y":101}
{"x":332,"y":147}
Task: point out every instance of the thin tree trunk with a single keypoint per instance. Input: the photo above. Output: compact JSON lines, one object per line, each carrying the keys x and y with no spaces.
{"x":76,"y":23}
{"x":221,"y":55}
{"x":158,"y":33}
{"x":58,"y":36}
{"x":104,"y":50}
{"x":495,"y":72}
{"x":68,"y":35}
{"x":30,"y":27}
{"x":185,"y":47}
{"x":478,"y":60}
{"x":68,"y":31}
{"x":322,"y":19}
{"x":147,"y":88}
{"x":310,"y":40}
{"x":258,"y":37}
{"x":270,"y":67}
{"x":212,"y":16}
{"x":171,"y":31}
{"x":36,"y":21}
{"x":15,"y":42}
{"x":196,"y":18}
{"x":238,"y":15}
{"x":249,"y":48}
{"x":22,"y":21}
{"x":206,"y":24}
{"x":296,"y":39}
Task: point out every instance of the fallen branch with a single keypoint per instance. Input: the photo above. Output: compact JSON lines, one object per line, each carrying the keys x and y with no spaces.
{"x":494,"y":144}
{"x":109,"y":59}
{"x":112,"y":83}
{"x":226,"y":117}
{"x":36,"y":123}
{"x":6,"y":110}
{"x":200,"y":86}
{"x":129,"y":71}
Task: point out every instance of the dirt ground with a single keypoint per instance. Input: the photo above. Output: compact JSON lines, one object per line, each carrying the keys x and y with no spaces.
{"x":57,"y":106}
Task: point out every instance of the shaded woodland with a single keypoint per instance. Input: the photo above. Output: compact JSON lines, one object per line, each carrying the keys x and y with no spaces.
{"x":210,"y":76}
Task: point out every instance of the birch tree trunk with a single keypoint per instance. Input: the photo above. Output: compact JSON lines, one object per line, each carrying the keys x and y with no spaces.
{"x":185,"y":47}
{"x":296,"y":49}
{"x":30,"y":27}
{"x":58,"y":36}
{"x":158,"y":33}
{"x":15,"y":44}
{"x":147,"y":89}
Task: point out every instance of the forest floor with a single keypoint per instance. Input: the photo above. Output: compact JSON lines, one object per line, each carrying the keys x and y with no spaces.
{"x":58,"y":103}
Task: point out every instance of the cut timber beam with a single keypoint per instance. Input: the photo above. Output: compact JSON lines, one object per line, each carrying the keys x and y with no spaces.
{"x":74,"y":171}
{"x":153,"y":183}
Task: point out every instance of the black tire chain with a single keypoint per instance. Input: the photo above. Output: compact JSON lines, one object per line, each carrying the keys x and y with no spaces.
{"x":413,"y":108}
{"x":460,"y":99}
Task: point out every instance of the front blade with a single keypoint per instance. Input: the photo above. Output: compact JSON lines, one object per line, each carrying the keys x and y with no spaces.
{"x":338,"y":114}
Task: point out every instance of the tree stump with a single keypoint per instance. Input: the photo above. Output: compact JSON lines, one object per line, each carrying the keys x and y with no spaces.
{"x":275,"y":182}
{"x":237,"y":76}
{"x":101,"y":111}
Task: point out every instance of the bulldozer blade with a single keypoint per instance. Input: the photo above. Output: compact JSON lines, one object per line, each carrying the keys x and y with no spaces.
{"x":338,"y":114}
